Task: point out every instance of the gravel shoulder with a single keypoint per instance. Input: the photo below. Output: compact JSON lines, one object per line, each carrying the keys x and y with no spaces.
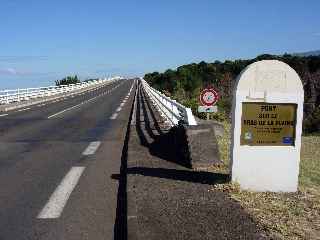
{"x":281,"y":215}
{"x":166,"y":200}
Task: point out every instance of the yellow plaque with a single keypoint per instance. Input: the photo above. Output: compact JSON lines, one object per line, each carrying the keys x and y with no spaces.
{"x":266,"y":124}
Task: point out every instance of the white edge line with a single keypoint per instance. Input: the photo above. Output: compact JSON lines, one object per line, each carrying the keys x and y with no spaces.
{"x":3,"y":115}
{"x":24,"y":109}
{"x":86,"y":101}
{"x":60,"y":196}
{"x":56,"y":114}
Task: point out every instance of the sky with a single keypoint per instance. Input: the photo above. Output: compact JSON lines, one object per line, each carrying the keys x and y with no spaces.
{"x":42,"y":41}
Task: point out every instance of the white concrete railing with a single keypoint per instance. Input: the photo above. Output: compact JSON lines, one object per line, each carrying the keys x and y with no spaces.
{"x":18,"y":95}
{"x":171,"y":109}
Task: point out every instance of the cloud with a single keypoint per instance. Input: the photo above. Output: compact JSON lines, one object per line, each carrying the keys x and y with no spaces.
{"x":16,"y":59}
{"x":8,"y":71}
{"x":16,"y":72}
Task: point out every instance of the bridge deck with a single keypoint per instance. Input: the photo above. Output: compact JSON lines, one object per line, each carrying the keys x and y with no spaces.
{"x":165,"y":199}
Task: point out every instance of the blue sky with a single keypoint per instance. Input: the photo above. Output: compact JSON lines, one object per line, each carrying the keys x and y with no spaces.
{"x":41,"y":41}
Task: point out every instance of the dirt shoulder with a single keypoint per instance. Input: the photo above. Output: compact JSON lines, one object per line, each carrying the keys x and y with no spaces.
{"x":166,"y":200}
{"x":282,"y":215}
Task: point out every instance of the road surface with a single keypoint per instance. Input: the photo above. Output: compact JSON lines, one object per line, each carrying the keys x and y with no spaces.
{"x":57,"y":163}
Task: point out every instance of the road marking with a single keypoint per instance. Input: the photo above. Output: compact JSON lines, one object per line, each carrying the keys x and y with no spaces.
{"x":92,"y":148}
{"x":134,"y":113}
{"x":122,"y":104}
{"x":86,"y":101}
{"x":3,"y":115}
{"x":114,"y":116}
{"x":60,"y":196}
{"x":58,"y":113}
{"x":25,"y":109}
{"x":118,"y":109}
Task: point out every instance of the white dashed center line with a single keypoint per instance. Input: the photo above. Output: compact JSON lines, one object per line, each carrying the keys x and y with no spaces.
{"x":114,"y":116}
{"x":60,"y":196}
{"x":92,"y":148}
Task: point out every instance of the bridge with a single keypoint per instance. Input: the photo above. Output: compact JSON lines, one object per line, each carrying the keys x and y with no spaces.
{"x":110,"y":159}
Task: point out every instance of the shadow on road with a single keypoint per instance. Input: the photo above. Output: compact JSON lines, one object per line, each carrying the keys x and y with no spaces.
{"x":181,"y":175}
{"x":160,"y":143}
{"x":121,"y":223}
{"x":120,"y":227}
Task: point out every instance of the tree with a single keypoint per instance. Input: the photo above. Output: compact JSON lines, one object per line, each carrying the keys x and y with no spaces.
{"x":68,"y":80}
{"x":185,"y":83}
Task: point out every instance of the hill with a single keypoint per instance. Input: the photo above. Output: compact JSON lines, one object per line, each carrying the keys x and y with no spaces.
{"x":185,"y":83}
{"x":308,"y":54}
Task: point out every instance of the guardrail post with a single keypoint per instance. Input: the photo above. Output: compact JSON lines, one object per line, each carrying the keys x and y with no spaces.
{"x":170,"y":108}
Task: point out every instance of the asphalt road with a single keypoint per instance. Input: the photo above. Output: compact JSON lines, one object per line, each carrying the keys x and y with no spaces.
{"x":57,"y":163}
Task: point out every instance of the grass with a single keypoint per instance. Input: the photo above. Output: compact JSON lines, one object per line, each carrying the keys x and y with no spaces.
{"x":282,"y":215}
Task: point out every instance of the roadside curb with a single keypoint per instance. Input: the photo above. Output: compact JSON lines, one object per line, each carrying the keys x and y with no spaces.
{"x":126,"y":221}
{"x":132,"y":214}
{"x":165,"y":199}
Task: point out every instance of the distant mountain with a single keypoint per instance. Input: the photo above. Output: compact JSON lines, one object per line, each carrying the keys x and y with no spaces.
{"x":307,"y":54}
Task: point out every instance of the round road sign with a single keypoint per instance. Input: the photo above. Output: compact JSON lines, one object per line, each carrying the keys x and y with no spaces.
{"x":209,"y":97}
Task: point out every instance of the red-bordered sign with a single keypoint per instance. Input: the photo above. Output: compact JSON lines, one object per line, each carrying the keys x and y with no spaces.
{"x":209,"y":97}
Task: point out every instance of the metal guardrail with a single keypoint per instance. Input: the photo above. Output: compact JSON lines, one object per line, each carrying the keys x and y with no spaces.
{"x":18,"y":95}
{"x":171,"y":109}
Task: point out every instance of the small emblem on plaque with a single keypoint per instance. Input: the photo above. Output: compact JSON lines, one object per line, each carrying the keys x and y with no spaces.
{"x":248,"y":136}
{"x":287,"y":140}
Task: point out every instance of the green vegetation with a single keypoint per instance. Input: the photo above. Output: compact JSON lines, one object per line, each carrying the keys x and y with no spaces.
{"x":185,"y":83}
{"x":310,"y":162}
{"x":282,"y":215}
{"x":68,"y":80}
{"x":312,"y":122}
